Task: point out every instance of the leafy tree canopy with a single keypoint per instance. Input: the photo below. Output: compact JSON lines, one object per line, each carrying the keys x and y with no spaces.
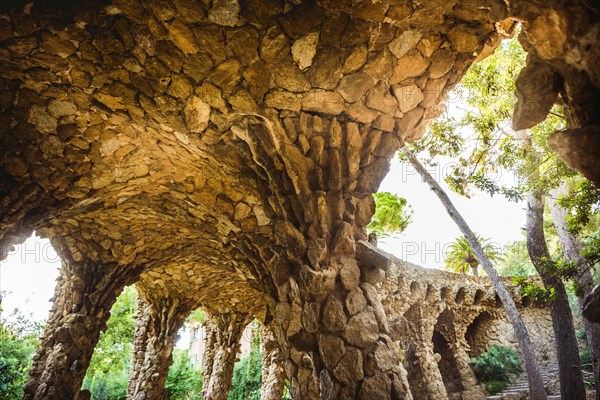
{"x":19,"y":340}
{"x":183,"y":381}
{"x":392,"y":215}
{"x":490,"y":157}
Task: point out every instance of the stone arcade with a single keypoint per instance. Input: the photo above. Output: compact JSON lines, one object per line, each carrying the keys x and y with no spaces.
{"x":223,"y":154}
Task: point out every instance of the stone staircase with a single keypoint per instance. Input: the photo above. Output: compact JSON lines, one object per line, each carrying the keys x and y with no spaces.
{"x":519,"y":390}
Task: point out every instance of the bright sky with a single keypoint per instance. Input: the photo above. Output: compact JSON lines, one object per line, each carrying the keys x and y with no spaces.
{"x":27,"y":278}
{"x":427,"y":238}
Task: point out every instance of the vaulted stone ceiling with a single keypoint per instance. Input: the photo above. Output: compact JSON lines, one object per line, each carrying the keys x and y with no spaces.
{"x":225,"y":152}
{"x":168,"y":134}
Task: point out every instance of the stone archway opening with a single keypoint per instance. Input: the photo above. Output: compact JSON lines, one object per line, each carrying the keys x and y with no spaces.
{"x":34,"y":257}
{"x":479,"y":295}
{"x":447,"y":364}
{"x":478,"y":334}
{"x":460,"y":295}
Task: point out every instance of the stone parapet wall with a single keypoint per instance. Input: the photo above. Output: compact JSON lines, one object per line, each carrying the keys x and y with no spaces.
{"x":475,"y":301}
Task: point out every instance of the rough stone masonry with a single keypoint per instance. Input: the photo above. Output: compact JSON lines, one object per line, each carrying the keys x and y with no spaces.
{"x":223,"y":154}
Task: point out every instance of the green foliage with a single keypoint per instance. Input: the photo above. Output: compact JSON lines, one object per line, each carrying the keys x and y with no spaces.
{"x":183,"y":382}
{"x":496,"y":367}
{"x":462,"y":259}
{"x":586,"y":359}
{"x":198,"y":315}
{"x":109,"y":385}
{"x":286,"y":391}
{"x":392,"y":214}
{"x":515,"y":260}
{"x":109,"y":368}
{"x":247,"y":374}
{"x":581,"y":204}
{"x":533,"y":289}
{"x":482,"y":140}
{"x":493,"y":387}
{"x":108,"y":374}
{"x":585,"y":355}
{"x":18,"y":342}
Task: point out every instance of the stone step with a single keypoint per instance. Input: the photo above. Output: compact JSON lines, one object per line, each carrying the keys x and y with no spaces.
{"x":520,"y":388}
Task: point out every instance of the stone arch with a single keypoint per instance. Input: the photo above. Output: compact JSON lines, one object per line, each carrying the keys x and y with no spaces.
{"x":445,"y":294}
{"x":479,"y":297}
{"x":460,"y":296}
{"x":431,"y":294}
{"x":423,"y":373}
{"x":478,"y":333}
{"x":497,"y":301}
{"x":415,"y":289}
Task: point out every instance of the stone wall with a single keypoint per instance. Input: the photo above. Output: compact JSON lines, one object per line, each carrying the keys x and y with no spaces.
{"x":450,"y":318}
{"x":486,"y":331}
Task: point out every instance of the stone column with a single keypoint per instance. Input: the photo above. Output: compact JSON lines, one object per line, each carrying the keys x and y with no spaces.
{"x":273,"y":372}
{"x":341,"y":344}
{"x":85,"y":293}
{"x":158,"y":320}
{"x":423,"y":372}
{"x":421,"y":363}
{"x":454,"y":332}
{"x":466,"y":373}
{"x":142,"y":326}
{"x":223,"y":334}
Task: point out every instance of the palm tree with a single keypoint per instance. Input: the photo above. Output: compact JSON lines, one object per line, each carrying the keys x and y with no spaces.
{"x":461,"y":258}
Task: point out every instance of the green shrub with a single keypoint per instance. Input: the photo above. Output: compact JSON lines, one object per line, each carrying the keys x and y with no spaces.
{"x":183,"y":381}
{"x":109,"y":385}
{"x":18,"y":342}
{"x":247,"y":373}
{"x":497,"y":366}
{"x":247,"y":377}
{"x":494,"y":387}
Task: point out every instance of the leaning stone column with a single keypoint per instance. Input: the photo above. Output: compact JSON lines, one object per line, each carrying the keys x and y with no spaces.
{"x":424,"y":373}
{"x":142,"y":326}
{"x":158,"y":320}
{"x":224,"y":332}
{"x":466,"y":373}
{"x":85,"y":293}
{"x":273,"y":372}
{"x":454,"y":333}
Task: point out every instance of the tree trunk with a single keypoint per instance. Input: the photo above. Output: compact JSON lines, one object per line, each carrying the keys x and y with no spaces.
{"x":569,"y":365}
{"x":85,"y":293}
{"x":224,"y":338}
{"x":159,"y":320}
{"x":536,"y":385}
{"x":572,"y":252}
{"x":273,"y":372}
{"x":475,"y":269}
